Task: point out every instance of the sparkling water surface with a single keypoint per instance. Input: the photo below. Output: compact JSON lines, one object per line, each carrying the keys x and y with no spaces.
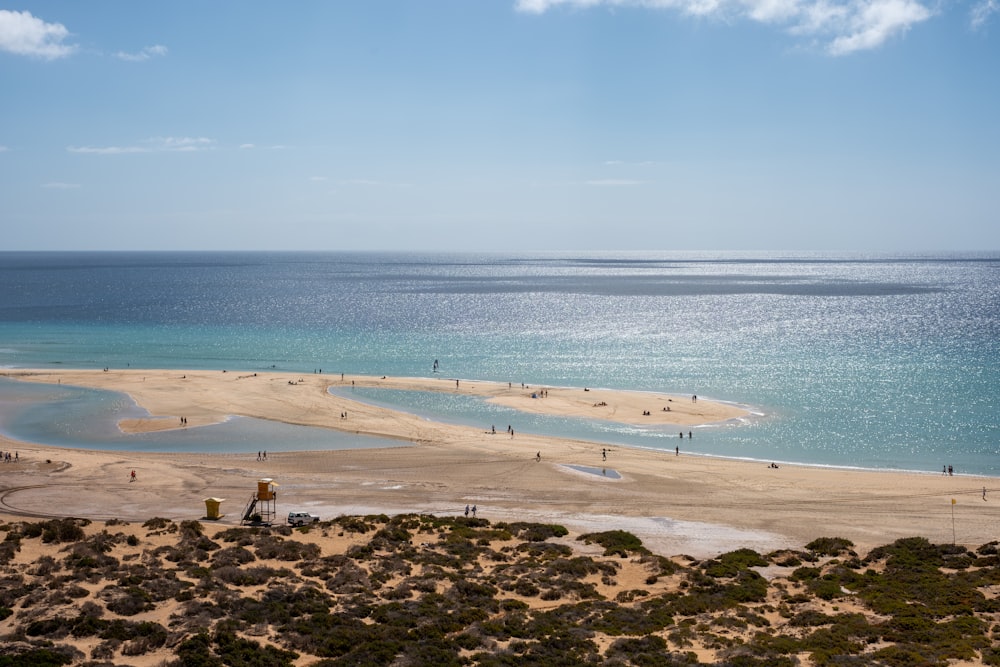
{"x":872,"y":361}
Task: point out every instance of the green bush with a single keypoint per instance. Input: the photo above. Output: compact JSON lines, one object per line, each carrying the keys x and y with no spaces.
{"x":830,"y":546}
{"x":615,"y":542}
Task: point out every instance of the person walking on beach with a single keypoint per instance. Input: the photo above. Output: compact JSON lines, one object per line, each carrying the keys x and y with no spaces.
{"x":132,"y":477}
{"x":466,"y":510}
{"x":677,"y":451}
{"x":604,"y":454}
{"x":984,"y":493}
{"x":473,"y":511}
{"x":538,"y":457}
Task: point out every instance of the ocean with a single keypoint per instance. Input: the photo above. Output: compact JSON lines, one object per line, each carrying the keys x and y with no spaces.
{"x":851,"y":360}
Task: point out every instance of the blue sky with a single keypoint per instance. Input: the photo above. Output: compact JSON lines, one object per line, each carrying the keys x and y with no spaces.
{"x":501,"y":125}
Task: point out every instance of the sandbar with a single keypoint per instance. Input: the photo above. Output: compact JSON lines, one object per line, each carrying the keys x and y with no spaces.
{"x":678,"y":504}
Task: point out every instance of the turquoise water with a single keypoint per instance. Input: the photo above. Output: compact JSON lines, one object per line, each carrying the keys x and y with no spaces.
{"x":853,"y":360}
{"x":79,"y":417}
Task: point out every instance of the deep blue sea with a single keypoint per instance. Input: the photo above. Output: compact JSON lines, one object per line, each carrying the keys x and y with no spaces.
{"x":871,"y":361}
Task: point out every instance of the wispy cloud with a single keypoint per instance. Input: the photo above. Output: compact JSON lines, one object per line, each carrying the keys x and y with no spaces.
{"x":154,"y":145}
{"x":845,"y":26}
{"x":56,"y":185}
{"x":874,"y":23}
{"x":145,"y":54}
{"x":275,"y":147}
{"x":25,"y":35}
{"x":982,"y":11}
{"x":3,"y":149}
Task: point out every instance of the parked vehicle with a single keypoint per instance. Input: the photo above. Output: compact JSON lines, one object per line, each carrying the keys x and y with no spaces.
{"x":301,"y":518}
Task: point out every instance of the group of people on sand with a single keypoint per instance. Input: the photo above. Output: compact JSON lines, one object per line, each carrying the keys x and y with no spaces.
{"x":510,"y":430}
{"x":6,"y":457}
{"x":262,"y":456}
{"x":473,"y":510}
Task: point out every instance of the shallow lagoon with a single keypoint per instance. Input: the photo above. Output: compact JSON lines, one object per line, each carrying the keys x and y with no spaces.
{"x":610,"y":473}
{"x":479,"y":412}
{"x":82,"y":418}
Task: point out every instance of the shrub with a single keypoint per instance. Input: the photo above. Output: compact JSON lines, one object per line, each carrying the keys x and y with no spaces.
{"x":830,"y":546}
{"x":57,"y":531}
{"x":157,"y":523}
{"x":616,"y":542}
{"x":732,"y":563}
{"x":42,"y":657}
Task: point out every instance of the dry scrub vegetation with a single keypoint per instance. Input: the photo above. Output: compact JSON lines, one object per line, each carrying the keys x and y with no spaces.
{"x":425,"y":590}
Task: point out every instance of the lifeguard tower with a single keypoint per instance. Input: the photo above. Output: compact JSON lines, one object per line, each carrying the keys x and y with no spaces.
{"x":260,"y":509}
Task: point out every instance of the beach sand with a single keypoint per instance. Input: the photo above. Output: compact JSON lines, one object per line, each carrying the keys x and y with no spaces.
{"x":686,"y":504}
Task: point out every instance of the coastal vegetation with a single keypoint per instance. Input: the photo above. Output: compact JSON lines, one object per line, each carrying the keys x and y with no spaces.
{"x":423,"y":590}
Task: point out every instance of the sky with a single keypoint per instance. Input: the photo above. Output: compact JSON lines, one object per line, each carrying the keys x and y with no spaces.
{"x":500,"y":125}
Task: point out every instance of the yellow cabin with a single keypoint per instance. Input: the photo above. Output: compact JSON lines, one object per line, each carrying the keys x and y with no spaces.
{"x":212,"y":508}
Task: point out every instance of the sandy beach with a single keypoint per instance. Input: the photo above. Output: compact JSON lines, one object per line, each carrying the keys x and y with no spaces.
{"x":678,"y":504}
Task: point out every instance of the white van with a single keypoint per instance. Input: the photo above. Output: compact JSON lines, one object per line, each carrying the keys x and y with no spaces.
{"x":301,"y":518}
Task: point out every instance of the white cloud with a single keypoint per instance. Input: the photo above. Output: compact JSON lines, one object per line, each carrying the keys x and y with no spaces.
{"x":25,"y":35}
{"x":106,"y":150}
{"x":145,"y":54}
{"x":876,"y":22}
{"x":56,"y":185}
{"x":846,"y":25}
{"x":3,"y":149}
{"x":154,"y":145}
{"x":182,"y":143}
{"x":982,"y":12}
{"x":247,"y":146}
